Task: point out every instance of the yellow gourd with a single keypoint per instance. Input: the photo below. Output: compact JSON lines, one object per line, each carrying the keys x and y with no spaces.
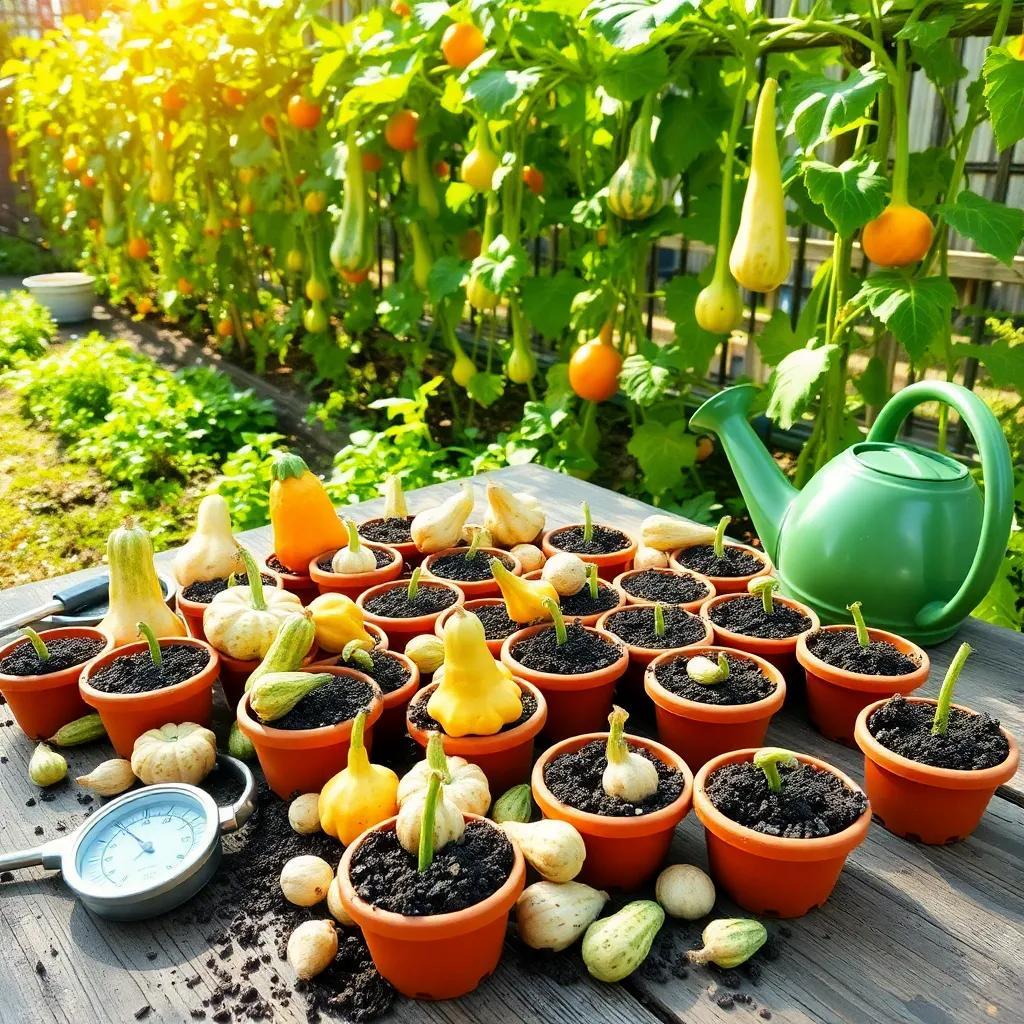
{"x":524,"y":599}
{"x":360,"y":795}
{"x":440,"y":527}
{"x":211,"y":552}
{"x":135,"y":594}
{"x":476,"y":695}
{"x":512,"y":518}
{"x":338,"y":621}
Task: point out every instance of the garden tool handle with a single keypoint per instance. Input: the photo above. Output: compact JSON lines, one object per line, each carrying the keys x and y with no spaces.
{"x":234,"y":815}
{"x":48,"y":856}
{"x":997,"y":473}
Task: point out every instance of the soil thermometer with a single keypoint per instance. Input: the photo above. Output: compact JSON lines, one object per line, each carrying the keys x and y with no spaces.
{"x":147,"y":851}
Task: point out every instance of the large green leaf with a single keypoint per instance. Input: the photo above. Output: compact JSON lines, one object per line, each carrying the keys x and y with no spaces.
{"x":795,"y":382}
{"x":851,"y":194}
{"x":777,"y":339}
{"x":645,"y":379}
{"x":1004,"y":87}
{"x":547,"y":301}
{"x":631,"y":76}
{"x":915,"y":310}
{"x":445,"y":277}
{"x":485,"y":388}
{"x":628,"y":24}
{"x":502,"y":266}
{"x":494,"y":90}
{"x":994,"y":227}
{"x":1003,"y":361}
{"x":690,"y":125}
{"x":664,"y":451}
{"x":818,"y":108}
{"x":695,"y":345}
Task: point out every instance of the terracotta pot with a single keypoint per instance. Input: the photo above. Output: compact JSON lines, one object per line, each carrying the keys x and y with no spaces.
{"x":380,"y":643}
{"x":768,"y":874}
{"x":919,"y":801}
{"x":622,"y":580}
{"x":401,"y":631}
{"x":192,"y":611}
{"x":235,"y":672}
{"x":42,"y":704}
{"x":589,"y":620}
{"x":411,"y":555}
{"x":781,"y":653}
{"x":608,"y":566}
{"x":641,"y":657}
{"x":353,"y":584}
{"x":299,"y":584}
{"x":836,"y":697}
{"x":302,"y":760}
{"x":126,"y":716}
{"x":439,"y":957}
{"x":622,"y":853}
{"x":505,"y":757}
{"x":698,"y":732}
{"x":576,"y":704}
{"x":494,"y":646}
{"x":471,"y":589}
{"x":729,"y":584}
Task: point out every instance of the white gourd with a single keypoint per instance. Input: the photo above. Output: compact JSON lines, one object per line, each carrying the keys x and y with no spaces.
{"x":211,"y":552}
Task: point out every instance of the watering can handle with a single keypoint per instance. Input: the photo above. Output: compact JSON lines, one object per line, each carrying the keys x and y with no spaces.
{"x":998,"y":476}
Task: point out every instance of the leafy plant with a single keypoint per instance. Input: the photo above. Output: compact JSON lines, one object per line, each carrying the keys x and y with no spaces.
{"x":25,"y":329}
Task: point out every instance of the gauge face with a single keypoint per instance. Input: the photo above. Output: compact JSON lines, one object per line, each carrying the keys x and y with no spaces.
{"x":144,"y":842}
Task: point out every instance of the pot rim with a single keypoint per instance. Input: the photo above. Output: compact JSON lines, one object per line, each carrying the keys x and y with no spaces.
{"x":52,"y":680}
{"x":653,"y":652}
{"x":434,"y":926}
{"x":404,"y":547}
{"x":605,"y":558}
{"x":693,"y":605}
{"x":402,"y":695}
{"x":211,"y":669}
{"x":198,"y":607}
{"x":559,"y":681}
{"x":593,"y":617}
{"x":767,"y":567}
{"x":776,"y":847}
{"x":724,"y":714}
{"x":608,"y":826}
{"x":292,"y":577}
{"x":862,"y":681}
{"x":415,"y":623}
{"x":67,"y":279}
{"x":729,"y":638}
{"x":428,"y":561}
{"x":358,"y":579}
{"x":479,"y":745}
{"x":928,"y":774}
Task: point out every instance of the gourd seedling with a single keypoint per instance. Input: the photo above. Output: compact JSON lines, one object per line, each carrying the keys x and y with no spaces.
{"x":414,"y":585}
{"x":628,"y":775}
{"x":863,"y":637}
{"x":940,"y":723}
{"x":37,"y":642}
{"x":706,"y":672}
{"x":552,"y":608}
{"x":152,"y":643}
{"x":764,"y":587}
{"x":592,"y":580}
{"x":768,"y":760}
{"x":439,"y":775}
{"x":719,"y":542}
{"x":257,"y":599}
{"x":474,"y":545}
{"x":588,"y":524}
{"x":355,"y":653}
{"x":354,"y":557}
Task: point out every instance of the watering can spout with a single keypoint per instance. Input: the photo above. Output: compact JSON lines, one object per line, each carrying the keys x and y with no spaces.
{"x":765,"y":489}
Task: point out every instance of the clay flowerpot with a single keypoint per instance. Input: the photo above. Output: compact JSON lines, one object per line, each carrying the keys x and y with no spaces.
{"x":235,"y":672}
{"x":400,"y":631}
{"x":622,"y":582}
{"x":641,"y":657}
{"x":41,"y":704}
{"x":299,"y":584}
{"x":443,"y":956}
{"x":698,"y":731}
{"x":608,"y":566}
{"x":835,"y":696}
{"x":576,"y":703}
{"x":302,"y":760}
{"x":919,"y":801}
{"x":586,"y":620}
{"x":728,"y":584}
{"x":769,"y":874}
{"x":781,"y":653}
{"x":505,"y":757}
{"x":411,"y":555}
{"x":622,"y":853}
{"x":126,"y":716}
{"x":473,"y":588}
{"x":353,"y":584}
{"x":192,"y":611}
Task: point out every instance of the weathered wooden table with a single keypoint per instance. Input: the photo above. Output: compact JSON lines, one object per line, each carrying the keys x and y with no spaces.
{"x":932,"y":935}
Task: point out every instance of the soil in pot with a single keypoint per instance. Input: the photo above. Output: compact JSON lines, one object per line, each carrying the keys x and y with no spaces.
{"x":575,"y":779}
{"x":388,"y":672}
{"x":461,"y":875}
{"x":583,"y":651}
{"x":734,"y":562}
{"x":669,"y":588}
{"x":745,"y":684}
{"x":331,"y":703}
{"x":274,"y":564}
{"x":582,"y":605}
{"x":746,"y":616}
{"x":810,"y":804}
{"x":635,"y":626}
{"x":204,"y":591}
{"x":497,"y":624}
{"x":842,"y":649}
{"x":971,"y":742}
{"x":389,"y":530}
{"x":382,"y":558}
{"x":604,"y":540}
{"x":136,"y":673}
{"x":395,"y":603}
{"x":460,"y":569}
{"x":65,"y":653}
{"x":421,"y":719}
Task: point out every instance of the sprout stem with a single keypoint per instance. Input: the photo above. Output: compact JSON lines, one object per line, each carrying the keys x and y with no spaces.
{"x":592,"y":580}
{"x":257,"y":598}
{"x":859,"y":624}
{"x":474,"y":545}
{"x":659,"y":619}
{"x":616,"y":749}
{"x":414,"y":585}
{"x":42,"y":651}
{"x":355,"y":651}
{"x":426,"y":850}
{"x":940,"y":723}
{"x":764,"y":587}
{"x":146,"y":632}
{"x":354,"y":541}
{"x":588,"y":524}
{"x":719,"y":543}
{"x":436,"y":757}
{"x":561,"y":635}
{"x":768,"y":760}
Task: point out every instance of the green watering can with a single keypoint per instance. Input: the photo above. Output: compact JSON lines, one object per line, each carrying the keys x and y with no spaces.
{"x":903,"y":529}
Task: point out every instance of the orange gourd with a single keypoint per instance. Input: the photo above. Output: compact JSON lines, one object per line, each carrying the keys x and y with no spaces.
{"x":899,"y":236}
{"x":301,"y":514}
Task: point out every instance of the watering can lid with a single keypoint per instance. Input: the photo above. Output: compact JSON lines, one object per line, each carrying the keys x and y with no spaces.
{"x":908,"y":461}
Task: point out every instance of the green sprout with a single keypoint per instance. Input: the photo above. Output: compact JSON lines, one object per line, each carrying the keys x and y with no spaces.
{"x":768,"y":760}
{"x":940,"y":723}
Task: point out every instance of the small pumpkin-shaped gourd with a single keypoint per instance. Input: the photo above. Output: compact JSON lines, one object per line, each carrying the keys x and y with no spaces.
{"x":440,"y":527}
{"x":635,"y":191}
{"x":243,"y":621}
{"x":467,"y":788}
{"x":301,"y":515}
{"x":175,"y":753}
{"x":444,"y":821}
{"x":211,"y":552}
{"x":525,"y":600}
{"x":338,"y":620}
{"x":512,"y":518}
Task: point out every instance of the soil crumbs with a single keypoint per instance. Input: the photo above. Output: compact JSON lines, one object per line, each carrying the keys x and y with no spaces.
{"x":636,"y":627}
{"x":842,"y":649}
{"x":604,"y":540}
{"x":337,"y":701}
{"x":65,"y":653}
{"x":461,"y":569}
{"x":666,"y":587}
{"x":420,"y":718}
{"x":745,"y":684}
{"x":583,"y":651}
{"x":136,"y":673}
{"x":204,"y":591}
{"x":387,"y":530}
{"x":395,"y":603}
{"x":581,"y":603}
{"x":734,"y":562}
{"x":746,"y":615}
{"x":497,"y":624}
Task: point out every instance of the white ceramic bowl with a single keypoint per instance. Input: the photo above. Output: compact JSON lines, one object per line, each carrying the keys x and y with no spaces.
{"x":69,"y":297}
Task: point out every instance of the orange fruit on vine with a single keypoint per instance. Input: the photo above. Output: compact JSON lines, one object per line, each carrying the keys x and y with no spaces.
{"x":461,"y":44}
{"x":185,"y":286}
{"x":53,"y":130}
{"x":705,"y":448}
{"x":232,"y":96}
{"x":225,"y":328}
{"x":594,"y":371}
{"x":87,"y":179}
{"x":72,"y":159}
{"x":605,"y":334}
{"x":302,"y":113}
{"x":442,"y":169}
{"x":899,"y":236}
{"x":314,"y":202}
{"x":355,"y":276}
{"x":371,"y":161}
{"x":138,"y":248}
{"x":533,"y":179}
{"x":172,"y":100}
{"x":95,"y":224}
{"x":400,"y":131}
{"x":144,"y":306}
{"x":601,"y":236}
{"x":401,"y":8}
{"x":268,"y":122}
{"x":247,"y":175}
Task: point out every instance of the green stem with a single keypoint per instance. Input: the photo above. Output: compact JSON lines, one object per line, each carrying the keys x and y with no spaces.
{"x":414,"y":585}
{"x":728,"y":161}
{"x":659,"y":619}
{"x":719,"y":544}
{"x":426,"y":851}
{"x":588,"y":524}
{"x":256,"y":596}
{"x":765,"y":587}
{"x":940,"y":723}
{"x":355,"y":651}
{"x":768,"y":760}
{"x":436,"y":757}
{"x":146,"y":632}
{"x":354,"y":542}
{"x":42,"y":652}
{"x":859,"y":624}
{"x":557,"y":618}
{"x":592,"y":580}
{"x":616,"y":749}
{"x":901,"y":157}
{"x":474,"y":545}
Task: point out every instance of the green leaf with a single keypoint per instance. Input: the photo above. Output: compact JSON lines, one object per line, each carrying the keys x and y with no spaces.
{"x":1004,"y":87}
{"x":631,"y":76}
{"x":872,"y":383}
{"x":930,"y":170}
{"x":502,"y":266}
{"x":925,"y":33}
{"x":643,"y":381}
{"x":795,"y":382}
{"x":689,"y":126}
{"x":777,"y":339}
{"x":940,"y":63}
{"x":695,"y":345}
{"x":547,"y":301}
{"x":429,"y":14}
{"x":996,"y":228}
{"x":628,"y":24}
{"x":325,"y":69}
{"x":494,"y":90}
{"x":485,"y":388}
{"x":663,"y":451}
{"x":915,"y":310}
{"x":445,"y":278}
{"x":819,"y":108}
{"x":851,"y":194}
{"x":1003,"y":361}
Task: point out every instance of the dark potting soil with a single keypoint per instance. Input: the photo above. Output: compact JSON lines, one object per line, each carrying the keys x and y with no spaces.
{"x":734,"y":561}
{"x":635,"y":626}
{"x":204,"y":591}
{"x":64,"y":653}
{"x":395,"y":604}
{"x":666,"y":587}
{"x":421,"y":719}
{"x":842,"y":649}
{"x":971,"y":742}
{"x":604,"y":540}
{"x":746,"y":615}
{"x":382,"y":558}
{"x":337,"y":701}
{"x":583,"y":651}
{"x":136,"y":673}
{"x":497,"y":624}
{"x":388,"y":672}
{"x":462,"y":873}
{"x":460,"y":569}
{"x":275,"y":563}
{"x":575,"y":779}
{"x":811,"y":803}
{"x":581,"y":603}
{"x":745,"y":685}
{"x":387,"y":531}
